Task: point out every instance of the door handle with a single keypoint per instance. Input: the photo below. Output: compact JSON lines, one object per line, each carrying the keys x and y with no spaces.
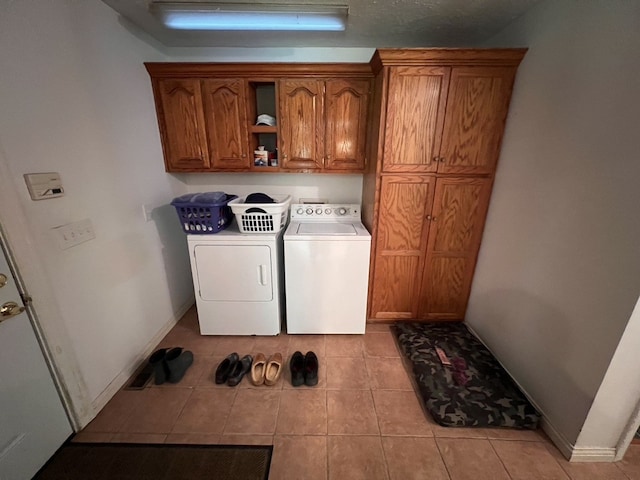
{"x":3,"y":280}
{"x":262,"y":275}
{"x":9,"y":310}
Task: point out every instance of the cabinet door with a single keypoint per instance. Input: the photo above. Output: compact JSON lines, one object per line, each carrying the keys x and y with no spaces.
{"x":457,"y":221}
{"x":301,"y":124}
{"x":477,"y":108}
{"x":401,"y":242}
{"x":226,"y":116}
{"x":182,"y":126}
{"x":346,"y":123}
{"x":415,"y":115}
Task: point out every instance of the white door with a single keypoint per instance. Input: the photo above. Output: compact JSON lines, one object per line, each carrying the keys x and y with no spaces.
{"x":33,"y":423}
{"x":234,"y":273}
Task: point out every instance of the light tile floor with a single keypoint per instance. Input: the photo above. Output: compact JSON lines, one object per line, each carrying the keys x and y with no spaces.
{"x":362,"y":421}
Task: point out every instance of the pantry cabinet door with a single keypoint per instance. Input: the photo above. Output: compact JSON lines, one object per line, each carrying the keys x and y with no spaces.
{"x":405,"y":202}
{"x":226,"y":116}
{"x":477,"y":108}
{"x":457,"y":221}
{"x":301,"y":124}
{"x":182,"y":125}
{"x":415,"y":116}
{"x":346,"y":123}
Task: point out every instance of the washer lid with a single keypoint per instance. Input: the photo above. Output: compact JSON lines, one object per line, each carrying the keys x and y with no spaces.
{"x":328,"y":228}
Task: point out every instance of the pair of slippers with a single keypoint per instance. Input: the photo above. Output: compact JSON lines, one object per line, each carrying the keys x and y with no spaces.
{"x":265,"y":371}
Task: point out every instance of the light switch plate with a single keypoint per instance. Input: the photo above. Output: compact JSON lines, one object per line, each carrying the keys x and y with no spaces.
{"x":72,"y":234}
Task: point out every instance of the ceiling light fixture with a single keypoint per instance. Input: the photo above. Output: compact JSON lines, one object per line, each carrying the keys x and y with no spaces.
{"x":218,"y":16}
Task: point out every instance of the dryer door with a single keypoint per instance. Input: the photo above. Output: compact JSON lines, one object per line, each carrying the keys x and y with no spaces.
{"x":234,"y":273}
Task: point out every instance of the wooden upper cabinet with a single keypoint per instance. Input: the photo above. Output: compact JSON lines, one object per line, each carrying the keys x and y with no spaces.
{"x":415,"y":116}
{"x":182,"y":124}
{"x":477,"y":107}
{"x":225,"y":112}
{"x":446,"y":119}
{"x":347,"y":105}
{"x":405,"y":202}
{"x":301,"y":126}
{"x":456,"y":225}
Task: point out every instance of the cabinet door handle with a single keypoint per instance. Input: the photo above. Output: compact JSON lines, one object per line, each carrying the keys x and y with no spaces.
{"x":441,"y":159}
{"x":428,"y":217}
{"x":436,"y":159}
{"x":244,"y":155}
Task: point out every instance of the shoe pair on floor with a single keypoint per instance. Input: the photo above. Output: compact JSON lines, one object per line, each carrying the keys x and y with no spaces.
{"x":170,"y":364}
{"x":233,"y":368}
{"x":266,"y":371}
{"x":304,"y":369}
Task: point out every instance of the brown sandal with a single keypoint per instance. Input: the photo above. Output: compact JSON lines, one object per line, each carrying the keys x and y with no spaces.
{"x":258,"y":369}
{"x":273,"y":369}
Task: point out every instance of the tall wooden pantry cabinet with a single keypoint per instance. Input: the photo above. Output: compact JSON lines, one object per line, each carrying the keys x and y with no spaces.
{"x":433,"y":152}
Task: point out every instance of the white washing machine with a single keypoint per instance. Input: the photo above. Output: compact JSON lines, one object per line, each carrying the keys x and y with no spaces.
{"x":326,"y":253}
{"x":238,"y":283}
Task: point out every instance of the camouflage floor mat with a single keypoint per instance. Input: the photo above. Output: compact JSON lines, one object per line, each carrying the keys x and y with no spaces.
{"x":474,"y":391}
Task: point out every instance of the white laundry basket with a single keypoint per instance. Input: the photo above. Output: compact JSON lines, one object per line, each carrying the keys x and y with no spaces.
{"x":261,"y":217}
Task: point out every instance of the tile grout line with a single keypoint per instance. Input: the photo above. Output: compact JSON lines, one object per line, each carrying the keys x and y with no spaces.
{"x":502,"y":461}
{"x":446,"y":467}
{"x":384,"y":453}
{"x":226,"y":418}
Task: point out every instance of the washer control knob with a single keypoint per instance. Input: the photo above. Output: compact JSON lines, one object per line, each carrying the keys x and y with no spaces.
{"x":309,"y":211}
{"x":342,"y":211}
{"x":319,"y":211}
{"x":328,"y":211}
{"x":300,"y":211}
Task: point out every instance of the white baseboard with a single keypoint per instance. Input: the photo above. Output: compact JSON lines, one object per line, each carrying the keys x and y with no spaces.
{"x":118,"y":382}
{"x":568,"y":450}
{"x":593,"y":454}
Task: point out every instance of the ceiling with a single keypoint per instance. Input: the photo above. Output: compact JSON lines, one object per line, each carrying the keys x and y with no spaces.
{"x":371,"y":23}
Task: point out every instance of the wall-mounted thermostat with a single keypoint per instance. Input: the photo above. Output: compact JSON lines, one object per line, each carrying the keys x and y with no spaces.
{"x":44,"y":185}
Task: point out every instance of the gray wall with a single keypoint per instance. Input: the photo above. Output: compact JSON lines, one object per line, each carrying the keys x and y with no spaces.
{"x":559,"y":270}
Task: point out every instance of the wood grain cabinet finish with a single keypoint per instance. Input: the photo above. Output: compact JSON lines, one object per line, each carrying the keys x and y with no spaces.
{"x":347,"y":109}
{"x":477,"y":106}
{"x":207,"y":112}
{"x":415,"y":115}
{"x":456,"y":225}
{"x":301,"y":124}
{"x":435,"y":147}
{"x":323,"y":124}
{"x":446,"y":119}
{"x":225,"y":113}
{"x":405,"y":203}
{"x":182,"y":125}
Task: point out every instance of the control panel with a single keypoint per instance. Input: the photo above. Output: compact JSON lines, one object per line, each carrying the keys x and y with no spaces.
{"x":325,"y":211}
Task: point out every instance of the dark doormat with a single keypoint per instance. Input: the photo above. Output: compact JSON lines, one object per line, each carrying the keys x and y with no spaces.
{"x":474,"y":391}
{"x":98,"y":461}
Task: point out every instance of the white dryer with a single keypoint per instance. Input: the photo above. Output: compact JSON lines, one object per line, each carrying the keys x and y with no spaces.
{"x":326,"y":251}
{"x":238,"y":283}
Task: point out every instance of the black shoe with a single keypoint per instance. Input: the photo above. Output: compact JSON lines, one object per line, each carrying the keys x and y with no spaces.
{"x":239,"y":370}
{"x":178,"y":362}
{"x":226,"y":367}
{"x":157,"y":361}
{"x":310,"y":369}
{"x":296,"y":365}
